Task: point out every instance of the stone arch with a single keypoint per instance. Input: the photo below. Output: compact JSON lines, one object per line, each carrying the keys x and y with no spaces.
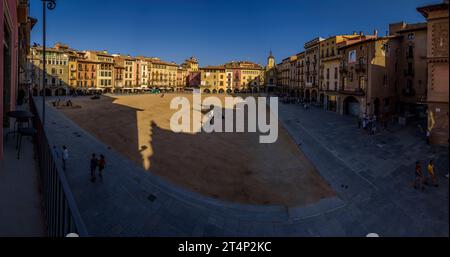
{"x":351,"y":106}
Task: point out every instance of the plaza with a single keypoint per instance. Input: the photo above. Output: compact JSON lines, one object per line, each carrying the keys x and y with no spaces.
{"x":371,"y":176}
{"x":229,"y":166}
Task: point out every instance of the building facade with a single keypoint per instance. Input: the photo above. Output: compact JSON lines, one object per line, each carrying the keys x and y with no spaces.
{"x":364,"y":73}
{"x":312,"y":62}
{"x":162,"y":74}
{"x":15,"y":27}
{"x":409,"y":50}
{"x":244,"y":76}
{"x":57,"y":69}
{"x":329,"y":69}
{"x":213,"y":79}
{"x":182,"y":75}
{"x":270,"y":74}
{"x":86,"y":71}
{"x":119,"y":73}
{"x":438,"y":71}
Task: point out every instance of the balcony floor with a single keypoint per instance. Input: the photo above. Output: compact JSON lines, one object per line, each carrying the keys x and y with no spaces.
{"x":21,"y":213}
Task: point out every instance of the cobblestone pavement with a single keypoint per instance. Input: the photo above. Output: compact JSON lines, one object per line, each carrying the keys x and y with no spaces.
{"x":372,"y":176}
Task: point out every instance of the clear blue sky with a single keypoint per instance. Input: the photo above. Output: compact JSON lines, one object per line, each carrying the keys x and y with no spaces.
{"x":215,"y":31}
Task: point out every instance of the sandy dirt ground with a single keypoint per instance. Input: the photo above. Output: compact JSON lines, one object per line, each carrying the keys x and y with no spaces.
{"x":228,"y":166}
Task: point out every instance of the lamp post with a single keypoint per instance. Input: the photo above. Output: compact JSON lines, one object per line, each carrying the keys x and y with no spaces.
{"x":46,"y":4}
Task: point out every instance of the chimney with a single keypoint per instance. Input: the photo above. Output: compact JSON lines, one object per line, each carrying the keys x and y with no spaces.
{"x":361,"y":33}
{"x":375,"y":33}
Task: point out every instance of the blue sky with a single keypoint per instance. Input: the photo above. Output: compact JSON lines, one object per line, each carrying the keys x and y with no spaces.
{"x":214,"y":31}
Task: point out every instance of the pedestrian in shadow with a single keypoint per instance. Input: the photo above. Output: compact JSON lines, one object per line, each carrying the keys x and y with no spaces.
{"x":93,"y":165}
{"x":101,"y":166}
{"x":419,"y":177}
{"x":432,"y":174}
{"x":55,"y":152}
{"x":65,"y":156}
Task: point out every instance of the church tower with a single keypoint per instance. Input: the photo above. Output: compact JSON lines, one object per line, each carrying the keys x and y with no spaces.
{"x":270,"y":61}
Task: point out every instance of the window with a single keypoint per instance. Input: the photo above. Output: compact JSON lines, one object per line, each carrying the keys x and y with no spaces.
{"x":410,"y":68}
{"x":335,"y":73}
{"x":410,"y":52}
{"x":362,"y":82}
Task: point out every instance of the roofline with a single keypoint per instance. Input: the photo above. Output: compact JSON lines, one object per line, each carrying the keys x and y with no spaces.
{"x":423,"y":10}
{"x":369,"y":40}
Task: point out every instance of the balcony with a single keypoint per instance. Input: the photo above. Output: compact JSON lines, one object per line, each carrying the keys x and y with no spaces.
{"x":356,"y":91}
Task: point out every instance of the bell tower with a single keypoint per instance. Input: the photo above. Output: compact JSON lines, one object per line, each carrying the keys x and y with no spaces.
{"x":270,"y":61}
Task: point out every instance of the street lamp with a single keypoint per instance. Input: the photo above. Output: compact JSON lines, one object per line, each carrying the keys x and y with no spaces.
{"x":46,"y":4}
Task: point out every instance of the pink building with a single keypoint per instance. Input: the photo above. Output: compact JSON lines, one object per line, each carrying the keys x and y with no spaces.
{"x":15,"y":27}
{"x":9,"y":32}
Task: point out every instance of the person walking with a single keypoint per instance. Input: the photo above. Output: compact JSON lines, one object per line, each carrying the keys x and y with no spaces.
{"x":432,"y":174}
{"x":65,"y":156}
{"x":55,"y":152}
{"x":93,"y":165}
{"x":419,"y":177}
{"x":374,"y":126}
{"x":364,"y":121}
{"x":101,"y":166}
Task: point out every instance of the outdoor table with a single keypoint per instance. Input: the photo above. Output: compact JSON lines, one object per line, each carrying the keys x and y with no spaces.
{"x":20,"y":117}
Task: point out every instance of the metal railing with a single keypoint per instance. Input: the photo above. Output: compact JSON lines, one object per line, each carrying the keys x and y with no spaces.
{"x":61,"y":212}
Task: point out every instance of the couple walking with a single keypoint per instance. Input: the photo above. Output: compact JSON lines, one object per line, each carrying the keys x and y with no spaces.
{"x":100,"y":163}
{"x":422,"y":179}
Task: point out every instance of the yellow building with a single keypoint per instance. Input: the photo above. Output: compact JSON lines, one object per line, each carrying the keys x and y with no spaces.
{"x":191,"y":64}
{"x":73,"y":63}
{"x":162,"y":74}
{"x":213,"y":79}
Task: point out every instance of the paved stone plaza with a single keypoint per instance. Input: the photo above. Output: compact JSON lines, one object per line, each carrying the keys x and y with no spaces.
{"x":372,"y":176}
